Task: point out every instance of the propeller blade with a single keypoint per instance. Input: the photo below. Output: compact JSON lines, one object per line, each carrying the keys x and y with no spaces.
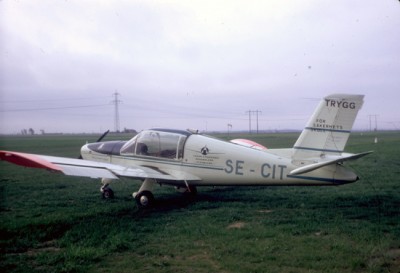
{"x":103,"y":136}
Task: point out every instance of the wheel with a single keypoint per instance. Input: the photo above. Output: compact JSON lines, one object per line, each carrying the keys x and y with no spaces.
{"x":144,"y":199}
{"x":107,"y":193}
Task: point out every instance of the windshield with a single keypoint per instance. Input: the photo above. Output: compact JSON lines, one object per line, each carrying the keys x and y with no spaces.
{"x":156,"y":144}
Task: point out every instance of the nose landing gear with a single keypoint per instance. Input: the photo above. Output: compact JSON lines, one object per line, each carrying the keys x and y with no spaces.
{"x":106,"y":191}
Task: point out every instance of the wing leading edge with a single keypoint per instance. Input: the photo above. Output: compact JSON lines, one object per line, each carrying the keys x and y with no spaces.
{"x":84,"y":168}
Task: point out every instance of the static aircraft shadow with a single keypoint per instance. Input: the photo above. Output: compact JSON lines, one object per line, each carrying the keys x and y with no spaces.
{"x":206,"y":199}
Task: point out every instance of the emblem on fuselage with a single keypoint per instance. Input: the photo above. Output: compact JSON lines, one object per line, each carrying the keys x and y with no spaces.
{"x":204,"y":150}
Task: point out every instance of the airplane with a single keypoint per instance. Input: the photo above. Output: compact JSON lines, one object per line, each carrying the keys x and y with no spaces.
{"x":188,"y":159}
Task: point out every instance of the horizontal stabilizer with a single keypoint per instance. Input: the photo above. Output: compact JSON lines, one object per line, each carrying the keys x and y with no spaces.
{"x":318,"y":165}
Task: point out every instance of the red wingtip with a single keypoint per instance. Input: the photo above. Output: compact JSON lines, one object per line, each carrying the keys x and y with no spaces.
{"x":28,"y":160}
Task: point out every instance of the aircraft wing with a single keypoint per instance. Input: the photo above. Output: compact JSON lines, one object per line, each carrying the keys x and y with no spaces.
{"x":86,"y":168}
{"x":314,"y":166}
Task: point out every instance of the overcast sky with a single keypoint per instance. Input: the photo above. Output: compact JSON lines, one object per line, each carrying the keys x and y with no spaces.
{"x":194,"y":64}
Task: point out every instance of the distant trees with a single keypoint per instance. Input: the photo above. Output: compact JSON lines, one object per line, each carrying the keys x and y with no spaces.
{"x":126,"y":130}
{"x":30,"y":131}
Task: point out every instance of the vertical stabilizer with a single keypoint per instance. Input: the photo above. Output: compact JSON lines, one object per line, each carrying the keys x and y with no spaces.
{"x":329,"y":127}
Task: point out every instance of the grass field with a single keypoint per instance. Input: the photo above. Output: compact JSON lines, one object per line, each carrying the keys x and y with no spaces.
{"x":54,"y":223}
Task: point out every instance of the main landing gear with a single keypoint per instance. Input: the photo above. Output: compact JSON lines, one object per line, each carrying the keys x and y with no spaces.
{"x":144,"y":198}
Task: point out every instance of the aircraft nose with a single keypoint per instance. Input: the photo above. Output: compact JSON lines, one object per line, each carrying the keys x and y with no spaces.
{"x":85,"y":150}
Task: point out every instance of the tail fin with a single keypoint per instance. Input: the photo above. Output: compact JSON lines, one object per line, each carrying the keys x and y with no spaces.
{"x":329,"y":128}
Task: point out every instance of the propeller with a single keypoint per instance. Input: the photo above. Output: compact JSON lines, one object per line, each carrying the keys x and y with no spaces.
{"x":98,"y":140}
{"x":103,"y":136}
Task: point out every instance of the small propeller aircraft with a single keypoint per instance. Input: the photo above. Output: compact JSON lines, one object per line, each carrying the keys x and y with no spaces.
{"x":187,"y":159}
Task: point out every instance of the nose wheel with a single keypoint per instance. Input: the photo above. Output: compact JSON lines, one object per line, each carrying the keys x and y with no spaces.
{"x":106,"y":192}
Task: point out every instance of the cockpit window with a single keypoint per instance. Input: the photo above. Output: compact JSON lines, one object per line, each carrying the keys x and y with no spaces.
{"x":156,"y":144}
{"x":129,"y":147}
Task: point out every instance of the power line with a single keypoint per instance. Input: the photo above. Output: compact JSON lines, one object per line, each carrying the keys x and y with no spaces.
{"x":370,"y":122}
{"x":257,"y":112}
{"x":51,"y":108}
{"x":51,"y":100}
{"x":250,"y":112}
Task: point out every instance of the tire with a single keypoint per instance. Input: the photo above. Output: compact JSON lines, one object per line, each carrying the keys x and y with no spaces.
{"x":108,"y":193}
{"x":144,"y":199}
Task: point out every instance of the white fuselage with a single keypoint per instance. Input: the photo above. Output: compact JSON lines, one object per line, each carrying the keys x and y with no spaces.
{"x":207,"y":161}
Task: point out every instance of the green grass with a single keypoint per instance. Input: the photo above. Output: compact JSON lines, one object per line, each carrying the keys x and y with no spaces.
{"x":54,"y":223}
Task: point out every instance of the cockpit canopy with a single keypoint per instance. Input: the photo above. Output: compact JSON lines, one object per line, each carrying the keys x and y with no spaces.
{"x":157,"y":143}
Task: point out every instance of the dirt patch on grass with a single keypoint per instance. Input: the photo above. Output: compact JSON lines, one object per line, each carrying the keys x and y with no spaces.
{"x":48,"y":246}
{"x":206,"y":258}
{"x":237,"y":225}
{"x":388,"y":260}
{"x":394,"y":256}
{"x":265,"y":211}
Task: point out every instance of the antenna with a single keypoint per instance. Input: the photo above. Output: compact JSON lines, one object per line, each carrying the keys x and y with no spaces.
{"x":116,"y":102}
